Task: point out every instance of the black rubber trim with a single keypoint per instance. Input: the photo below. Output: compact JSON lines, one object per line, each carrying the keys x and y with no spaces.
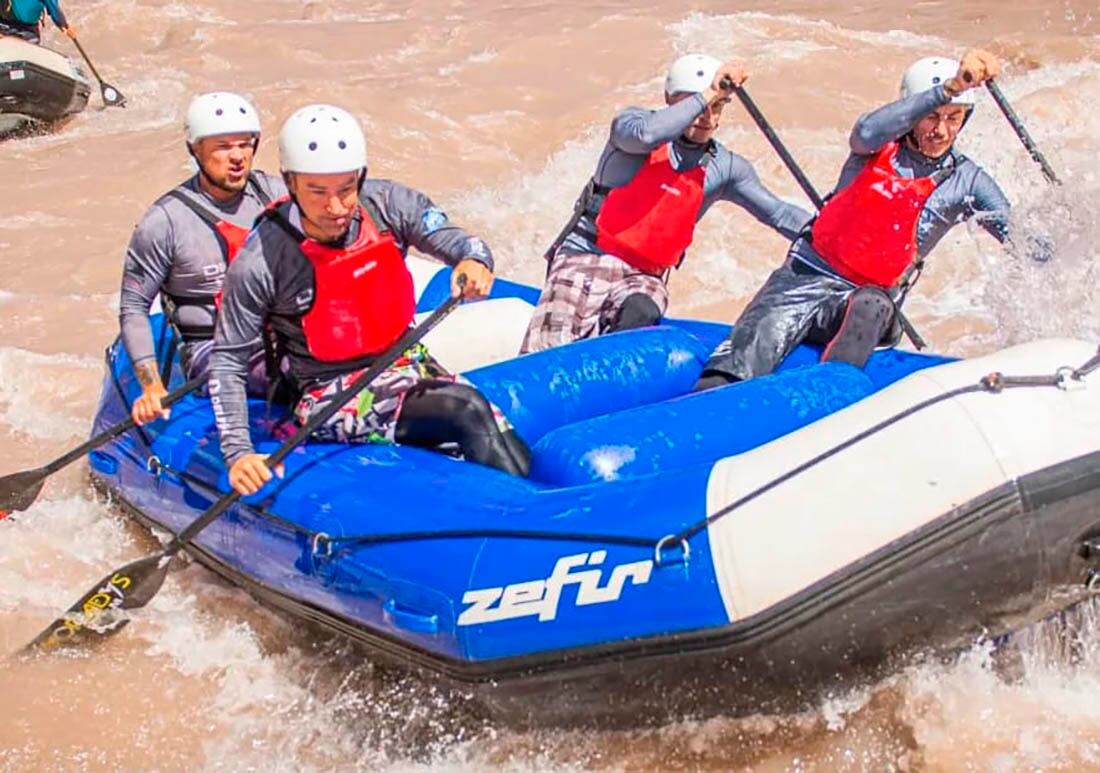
{"x":1068,"y":479}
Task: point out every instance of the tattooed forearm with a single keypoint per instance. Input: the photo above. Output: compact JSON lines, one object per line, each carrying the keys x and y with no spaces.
{"x":147,"y":373}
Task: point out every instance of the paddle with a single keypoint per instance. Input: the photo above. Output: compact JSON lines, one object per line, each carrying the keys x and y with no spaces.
{"x":807,"y":186}
{"x":112,"y":97}
{"x":96,"y":615}
{"x":1021,"y":132}
{"x":776,"y":143}
{"x":19,"y":490}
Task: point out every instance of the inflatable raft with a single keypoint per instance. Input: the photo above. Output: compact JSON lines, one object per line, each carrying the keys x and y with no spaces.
{"x":38,"y":87}
{"x":672,"y":554}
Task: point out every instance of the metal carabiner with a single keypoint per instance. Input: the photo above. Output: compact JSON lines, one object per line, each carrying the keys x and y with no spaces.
{"x":1069,"y":379}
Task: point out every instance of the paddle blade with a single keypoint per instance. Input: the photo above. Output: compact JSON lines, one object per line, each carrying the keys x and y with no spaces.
{"x":98,"y":614}
{"x":19,"y":490}
{"x":112,"y":97}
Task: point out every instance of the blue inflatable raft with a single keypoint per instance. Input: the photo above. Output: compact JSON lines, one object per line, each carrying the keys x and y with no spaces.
{"x":671,"y":554}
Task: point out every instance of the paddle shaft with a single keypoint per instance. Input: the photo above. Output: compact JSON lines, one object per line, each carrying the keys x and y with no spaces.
{"x":134,"y":585}
{"x":111,"y":96}
{"x":124,"y":426}
{"x":386,"y":360}
{"x":808,"y":187}
{"x":777,"y":144}
{"x":1021,"y":131}
{"x":91,"y":66}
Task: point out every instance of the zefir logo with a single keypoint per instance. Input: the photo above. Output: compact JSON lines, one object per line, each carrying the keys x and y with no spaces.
{"x":541,"y":597}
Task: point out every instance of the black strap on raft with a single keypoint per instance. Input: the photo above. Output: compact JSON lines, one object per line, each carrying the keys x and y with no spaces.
{"x":325,"y":547}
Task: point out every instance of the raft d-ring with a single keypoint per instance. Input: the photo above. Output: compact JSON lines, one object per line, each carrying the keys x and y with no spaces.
{"x":315,"y":545}
{"x":994,"y":382}
{"x":154,"y":465}
{"x":1069,"y":379}
{"x":659,"y":548}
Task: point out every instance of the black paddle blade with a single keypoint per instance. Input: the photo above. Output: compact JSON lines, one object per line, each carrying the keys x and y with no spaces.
{"x":98,"y":614}
{"x":19,"y":490}
{"x":112,"y":97}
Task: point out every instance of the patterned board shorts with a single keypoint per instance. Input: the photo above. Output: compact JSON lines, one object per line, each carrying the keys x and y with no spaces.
{"x":583,"y":294}
{"x":371,"y":416}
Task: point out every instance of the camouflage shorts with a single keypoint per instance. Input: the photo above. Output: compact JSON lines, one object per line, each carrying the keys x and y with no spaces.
{"x":371,"y":416}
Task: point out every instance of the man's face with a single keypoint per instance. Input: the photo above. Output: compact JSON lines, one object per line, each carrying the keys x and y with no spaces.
{"x":327,"y":202}
{"x":706,"y":124}
{"x":936,"y":132}
{"x":226,"y":159}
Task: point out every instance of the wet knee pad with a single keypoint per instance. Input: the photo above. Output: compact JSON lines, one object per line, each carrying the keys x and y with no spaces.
{"x":867,"y":317}
{"x":638,"y":310}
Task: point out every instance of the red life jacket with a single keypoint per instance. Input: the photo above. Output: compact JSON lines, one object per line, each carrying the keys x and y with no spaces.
{"x":868,"y":231}
{"x":649,"y":222}
{"x":363,"y":294}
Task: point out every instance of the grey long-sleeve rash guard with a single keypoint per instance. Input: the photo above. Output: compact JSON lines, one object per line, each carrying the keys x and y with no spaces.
{"x":636,"y":132}
{"x":968,"y":192}
{"x":172,"y":250}
{"x":272,"y":280}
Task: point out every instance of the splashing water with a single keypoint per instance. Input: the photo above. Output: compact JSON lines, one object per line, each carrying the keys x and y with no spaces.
{"x":500,"y":114}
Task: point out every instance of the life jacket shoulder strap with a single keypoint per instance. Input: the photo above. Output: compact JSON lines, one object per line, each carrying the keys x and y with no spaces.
{"x":254,"y":184}
{"x":375,"y":216}
{"x":200,"y":211}
{"x":275,"y":214}
{"x":206,"y":214}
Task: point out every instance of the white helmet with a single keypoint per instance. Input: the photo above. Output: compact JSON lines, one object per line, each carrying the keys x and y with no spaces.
{"x":220,"y":112}
{"x":322,"y":139}
{"x":693,"y":73}
{"x":932,"y":71}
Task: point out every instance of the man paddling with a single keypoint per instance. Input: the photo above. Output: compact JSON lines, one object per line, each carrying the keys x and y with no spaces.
{"x":903,"y":187}
{"x":23,"y":18}
{"x":659,"y":173}
{"x":187,"y":238}
{"x":326,"y":268}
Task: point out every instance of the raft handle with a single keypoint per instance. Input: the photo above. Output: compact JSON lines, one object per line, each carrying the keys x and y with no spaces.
{"x":315,"y":545}
{"x":659,"y":548}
